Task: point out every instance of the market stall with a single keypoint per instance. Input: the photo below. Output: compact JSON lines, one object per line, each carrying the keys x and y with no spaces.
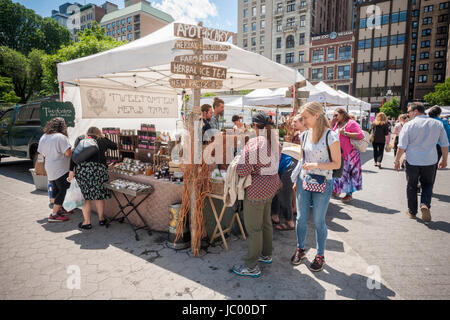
{"x":144,"y":80}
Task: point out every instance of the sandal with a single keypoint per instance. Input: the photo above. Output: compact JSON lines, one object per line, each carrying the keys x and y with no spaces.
{"x":102,"y":222}
{"x":84,"y":226}
{"x":276,"y":221}
{"x":284,"y":227}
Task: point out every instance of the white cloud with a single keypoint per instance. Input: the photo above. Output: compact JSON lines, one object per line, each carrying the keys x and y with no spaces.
{"x":188,"y":11}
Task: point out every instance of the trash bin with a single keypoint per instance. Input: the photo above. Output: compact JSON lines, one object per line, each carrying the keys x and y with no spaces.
{"x":184,"y":241}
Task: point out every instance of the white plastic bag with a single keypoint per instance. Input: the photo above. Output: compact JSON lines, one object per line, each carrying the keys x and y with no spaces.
{"x":74,"y":198}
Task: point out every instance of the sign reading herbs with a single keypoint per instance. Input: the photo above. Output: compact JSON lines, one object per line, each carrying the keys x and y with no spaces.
{"x":54,"y":109}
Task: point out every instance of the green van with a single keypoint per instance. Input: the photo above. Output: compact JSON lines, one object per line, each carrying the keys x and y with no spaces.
{"x":20,"y":130}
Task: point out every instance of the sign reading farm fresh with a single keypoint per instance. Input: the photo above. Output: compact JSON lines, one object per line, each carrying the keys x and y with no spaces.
{"x":198,"y":70}
{"x":106,"y":103}
{"x":212,"y":57}
{"x":54,"y":109}
{"x":198,"y":32}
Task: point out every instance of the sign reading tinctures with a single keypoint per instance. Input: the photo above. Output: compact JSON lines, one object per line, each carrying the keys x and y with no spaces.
{"x":54,"y":109}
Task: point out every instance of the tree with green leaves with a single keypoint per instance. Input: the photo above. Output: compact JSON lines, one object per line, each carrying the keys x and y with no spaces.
{"x":23,"y":30}
{"x":441,"y":94}
{"x":91,"y":41}
{"x":391,"y":108}
{"x":7,"y":94}
{"x":25,"y":72}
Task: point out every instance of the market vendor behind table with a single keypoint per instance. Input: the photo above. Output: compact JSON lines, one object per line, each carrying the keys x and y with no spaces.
{"x":91,"y":174}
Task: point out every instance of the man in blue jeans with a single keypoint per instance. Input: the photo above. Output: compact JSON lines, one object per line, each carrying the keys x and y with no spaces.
{"x":418,"y":139}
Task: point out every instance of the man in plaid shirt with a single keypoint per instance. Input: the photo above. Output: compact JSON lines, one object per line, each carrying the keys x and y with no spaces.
{"x":260,"y":159}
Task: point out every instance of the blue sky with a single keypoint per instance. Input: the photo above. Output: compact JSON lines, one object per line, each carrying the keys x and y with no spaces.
{"x":220,"y":14}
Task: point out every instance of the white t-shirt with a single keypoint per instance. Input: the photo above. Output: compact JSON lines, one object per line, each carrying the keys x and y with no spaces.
{"x":52,"y":147}
{"x":318,"y":152}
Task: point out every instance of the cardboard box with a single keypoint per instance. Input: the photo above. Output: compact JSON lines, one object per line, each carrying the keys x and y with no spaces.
{"x":39,"y":167}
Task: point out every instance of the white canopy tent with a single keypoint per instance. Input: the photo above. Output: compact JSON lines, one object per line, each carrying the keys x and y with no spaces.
{"x":143,"y":66}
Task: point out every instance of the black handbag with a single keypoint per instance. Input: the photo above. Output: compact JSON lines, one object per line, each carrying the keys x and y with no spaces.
{"x":337,"y":173}
{"x":84,"y":150}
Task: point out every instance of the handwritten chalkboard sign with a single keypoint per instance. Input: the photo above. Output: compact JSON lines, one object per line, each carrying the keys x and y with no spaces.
{"x":54,"y":109}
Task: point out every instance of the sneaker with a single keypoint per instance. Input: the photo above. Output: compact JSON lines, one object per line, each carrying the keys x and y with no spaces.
{"x":64,"y":212}
{"x":335,"y":195}
{"x":57,"y":218}
{"x":298,"y":256}
{"x":318,"y":263}
{"x":426,"y":215}
{"x":410,"y":215}
{"x":265,"y":259}
{"x":244,"y":271}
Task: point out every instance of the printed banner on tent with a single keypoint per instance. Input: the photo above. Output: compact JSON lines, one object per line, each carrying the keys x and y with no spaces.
{"x":108,"y":103}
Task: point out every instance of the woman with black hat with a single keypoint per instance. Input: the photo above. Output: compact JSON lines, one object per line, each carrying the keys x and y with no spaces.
{"x":261,"y":156}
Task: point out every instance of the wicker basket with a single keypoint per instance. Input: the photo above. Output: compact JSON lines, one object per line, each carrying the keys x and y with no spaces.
{"x":217,"y":186}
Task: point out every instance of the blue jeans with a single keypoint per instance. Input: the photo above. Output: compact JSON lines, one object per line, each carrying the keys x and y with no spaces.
{"x":319,"y":202}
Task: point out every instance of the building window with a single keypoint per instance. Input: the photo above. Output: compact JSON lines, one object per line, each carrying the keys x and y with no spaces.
{"x":279,"y":27}
{"x":343,"y":88}
{"x":343,"y":72}
{"x":422,"y":79}
{"x":330,"y":73}
{"x":263,"y":9}
{"x":253,"y":26}
{"x":439,"y":54}
{"x":124,"y":30}
{"x":363,"y":23}
{"x":289,"y":58}
{"x":441,"y":42}
{"x":318,"y":56}
{"x":254,"y":11}
{"x":303,"y":4}
{"x":113,"y":25}
{"x":302,"y":71}
{"x":124,"y":37}
{"x":290,"y":22}
{"x":345,"y":53}
{"x":130,"y":36}
{"x":129,"y":20}
{"x":423,"y":67}
{"x":425,"y":44}
{"x":253,"y":41}
{"x":301,"y":56}
{"x":130,"y":28}
{"x":278,"y":58}
{"x":443,"y":18}
{"x":424,"y":55}
{"x":426,"y":32}
{"x":137,"y":18}
{"x":317,"y":74}
{"x":290,"y":42}
{"x":415,"y":13}
{"x":279,"y":7}
{"x":262,"y":24}
{"x":290,"y":6}
{"x":108,"y":26}
{"x":278,"y":43}
{"x":114,"y":32}
{"x":302,"y":39}
{"x":415,"y":24}
{"x":245,"y":43}
{"x":428,"y":20}
{"x":245,"y":13}
{"x":428,"y":8}
{"x":123,"y":21}
{"x":442,"y":30}
{"x":108,"y":33}
{"x":438,"y":78}
{"x":245,"y":27}
{"x":330,"y":56}
{"x":302,"y":21}
{"x":443,"y":5}
{"x":261,"y":40}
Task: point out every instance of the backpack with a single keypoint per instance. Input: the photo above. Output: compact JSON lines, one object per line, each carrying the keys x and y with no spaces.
{"x":85,"y":149}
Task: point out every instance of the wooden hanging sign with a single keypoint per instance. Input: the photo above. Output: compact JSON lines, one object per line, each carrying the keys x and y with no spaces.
{"x":198,"y":32}
{"x":196,"y":84}
{"x":213,"y":57}
{"x":194,"y":45}
{"x":198,"y":70}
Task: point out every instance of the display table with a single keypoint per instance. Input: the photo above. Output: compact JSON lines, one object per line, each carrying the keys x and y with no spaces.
{"x":155,"y":209}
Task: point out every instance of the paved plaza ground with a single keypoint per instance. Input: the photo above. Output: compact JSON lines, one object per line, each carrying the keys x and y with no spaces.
{"x":370,"y":237}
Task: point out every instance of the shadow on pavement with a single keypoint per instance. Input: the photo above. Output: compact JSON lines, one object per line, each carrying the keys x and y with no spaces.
{"x":371,"y":207}
{"x":442,"y":197}
{"x":18,"y":170}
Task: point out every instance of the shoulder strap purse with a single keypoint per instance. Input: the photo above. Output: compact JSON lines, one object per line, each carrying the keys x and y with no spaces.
{"x":337,"y":173}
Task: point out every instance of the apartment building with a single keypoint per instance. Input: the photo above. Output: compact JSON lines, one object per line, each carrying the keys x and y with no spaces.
{"x":136,"y":20}
{"x":427,"y":54}
{"x":281,"y":30}
{"x":382,"y":48}
{"x":62,"y":15}
{"x":255,"y":26}
{"x":333,"y":60}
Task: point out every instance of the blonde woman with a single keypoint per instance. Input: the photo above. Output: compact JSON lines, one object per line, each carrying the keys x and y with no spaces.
{"x":91,"y":174}
{"x":316,"y":168}
{"x":380,"y":130}
{"x":402,"y":119}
